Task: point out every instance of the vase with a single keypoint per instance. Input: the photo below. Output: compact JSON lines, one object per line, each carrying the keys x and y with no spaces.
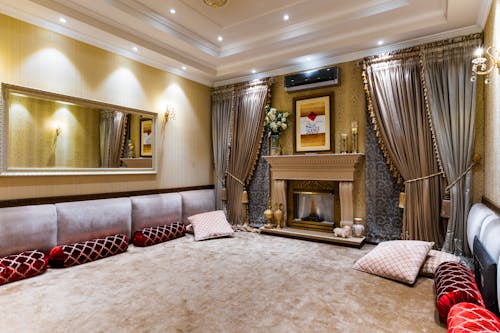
{"x":268,"y":215}
{"x":278,"y":215}
{"x":358,"y":228}
{"x":275,"y":145}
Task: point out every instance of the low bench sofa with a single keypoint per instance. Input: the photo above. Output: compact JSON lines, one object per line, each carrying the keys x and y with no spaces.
{"x":43,"y":227}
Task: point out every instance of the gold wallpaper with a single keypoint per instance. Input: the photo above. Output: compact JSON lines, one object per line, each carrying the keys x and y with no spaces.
{"x":348,"y":104}
{"x":492,"y":113}
{"x":33,"y":141}
{"x":34,"y":57}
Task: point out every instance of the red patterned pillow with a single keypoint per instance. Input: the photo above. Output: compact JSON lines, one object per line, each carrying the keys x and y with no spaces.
{"x":468,"y":317}
{"x":80,"y":253}
{"x":154,"y":235}
{"x":21,"y":266}
{"x":454,"y":283}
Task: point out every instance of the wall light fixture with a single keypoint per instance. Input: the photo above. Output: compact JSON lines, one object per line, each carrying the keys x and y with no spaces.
{"x":485,"y":62}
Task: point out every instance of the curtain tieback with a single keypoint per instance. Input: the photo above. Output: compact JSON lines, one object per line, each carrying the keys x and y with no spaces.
{"x":459,"y":177}
{"x":236,"y":178}
{"x":424,"y":177}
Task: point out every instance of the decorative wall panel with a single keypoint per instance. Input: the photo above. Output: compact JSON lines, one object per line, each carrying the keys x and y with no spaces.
{"x":259,"y":188}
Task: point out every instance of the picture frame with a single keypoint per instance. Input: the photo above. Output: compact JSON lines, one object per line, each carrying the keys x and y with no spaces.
{"x":313,"y":123}
{"x":146,"y":137}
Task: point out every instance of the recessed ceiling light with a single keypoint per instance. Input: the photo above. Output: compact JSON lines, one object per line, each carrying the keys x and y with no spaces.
{"x":135,"y":49}
{"x":172,"y":11}
{"x":62,"y":20}
{"x":380,"y":42}
{"x":220,"y":38}
{"x":184,"y":68}
{"x":254,"y":71}
{"x":286,"y":17}
{"x":308,"y":59}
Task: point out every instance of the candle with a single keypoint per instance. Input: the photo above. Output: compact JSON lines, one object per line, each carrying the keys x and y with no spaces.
{"x":354,"y":136}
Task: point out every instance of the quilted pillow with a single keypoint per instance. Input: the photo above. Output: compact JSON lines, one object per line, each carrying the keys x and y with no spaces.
{"x":210,"y":225}
{"x":21,"y":266}
{"x":434,"y":259}
{"x":80,"y":253}
{"x":154,"y":235}
{"x":468,"y":317}
{"x":398,"y":260}
{"x":454,"y":283}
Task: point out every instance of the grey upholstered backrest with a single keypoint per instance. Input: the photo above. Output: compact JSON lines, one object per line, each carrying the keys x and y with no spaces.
{"x":156,"y":209}
{"x":195,"y":202}
{"x":27,"y":228}
{"x":84,"y":220}
{"x":477,"y":214}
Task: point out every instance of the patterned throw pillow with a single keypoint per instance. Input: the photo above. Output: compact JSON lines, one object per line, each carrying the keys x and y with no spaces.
{"x":21,"y":266}
{"x":468,"y":317}
{"x":454,"y":283}
{"x":154,"y":235}
{"x":398,"y":260}
{"x":210,"y":225}
{"x":434,"y":259}
{"x":80,"y":253}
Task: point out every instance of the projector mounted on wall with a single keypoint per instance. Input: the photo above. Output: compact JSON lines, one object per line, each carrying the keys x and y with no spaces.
{"x":318,"y":78}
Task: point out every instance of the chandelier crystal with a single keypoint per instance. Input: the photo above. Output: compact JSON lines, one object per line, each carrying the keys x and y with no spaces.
{"x":485,"y":62}
{"x":215,"y":3}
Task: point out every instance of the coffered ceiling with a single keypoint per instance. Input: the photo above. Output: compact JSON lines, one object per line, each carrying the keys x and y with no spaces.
{"x":255,"y":34}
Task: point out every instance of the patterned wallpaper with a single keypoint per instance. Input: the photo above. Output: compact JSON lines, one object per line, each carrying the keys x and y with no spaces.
{"x":32,"y":134}
{"x":492,"y":113}
{"x":348,"y":104}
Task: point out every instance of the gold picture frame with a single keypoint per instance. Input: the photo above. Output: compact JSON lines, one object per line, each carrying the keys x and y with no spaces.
{"x":313,"y":123}
{"x":146,"y":138}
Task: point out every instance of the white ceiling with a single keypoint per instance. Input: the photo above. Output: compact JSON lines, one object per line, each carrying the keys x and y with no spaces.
{"x":318,"y":33}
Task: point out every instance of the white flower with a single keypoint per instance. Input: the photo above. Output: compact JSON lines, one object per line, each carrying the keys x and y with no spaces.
{"x":274,"y":128}
{"x":271,"y":116}
{"x":283,"y":126}
{"x":285,"y":115}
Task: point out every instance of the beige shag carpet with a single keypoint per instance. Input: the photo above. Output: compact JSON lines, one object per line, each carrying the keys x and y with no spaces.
{"x":248,"y":283}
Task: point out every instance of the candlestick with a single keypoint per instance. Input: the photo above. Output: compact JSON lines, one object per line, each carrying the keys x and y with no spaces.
{"x":354,"y":136}
{"x":343,"y":143}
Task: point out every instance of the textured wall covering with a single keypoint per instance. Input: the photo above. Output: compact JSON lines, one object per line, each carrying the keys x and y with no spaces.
{"x":383,"y":216}
{"x":492,"y":113}
{"x":32,"y":135}
{"x":348,"y":104}
{"x":37,"y":58}
{"x":258,"y":191}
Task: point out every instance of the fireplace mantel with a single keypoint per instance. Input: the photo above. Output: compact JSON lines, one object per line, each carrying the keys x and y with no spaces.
{"x":334,"y":167}
{"x":339,"y":167}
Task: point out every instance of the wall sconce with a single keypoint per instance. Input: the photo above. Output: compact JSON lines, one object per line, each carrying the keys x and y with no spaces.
{"x":480,"y":62}
{"x":169,"y":113}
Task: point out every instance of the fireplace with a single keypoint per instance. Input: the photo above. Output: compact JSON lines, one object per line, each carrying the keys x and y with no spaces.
{"x":312,"y":211}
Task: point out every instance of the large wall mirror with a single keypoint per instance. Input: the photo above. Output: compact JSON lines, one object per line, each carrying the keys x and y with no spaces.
{"x":44,"y":133}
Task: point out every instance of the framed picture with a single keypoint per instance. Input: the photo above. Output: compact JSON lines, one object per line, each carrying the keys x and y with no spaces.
{"x":146,"y":137}
{"x":313,"y":123}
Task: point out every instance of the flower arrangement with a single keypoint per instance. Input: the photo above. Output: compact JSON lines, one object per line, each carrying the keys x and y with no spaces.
{"x":275,"y":121}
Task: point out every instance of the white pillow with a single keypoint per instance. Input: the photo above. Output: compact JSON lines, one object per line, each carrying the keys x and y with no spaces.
{"x":210,"y":225}
{"x":398,"y":260}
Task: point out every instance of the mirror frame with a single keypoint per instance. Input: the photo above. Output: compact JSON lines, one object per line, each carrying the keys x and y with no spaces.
{"x":5,"y":170}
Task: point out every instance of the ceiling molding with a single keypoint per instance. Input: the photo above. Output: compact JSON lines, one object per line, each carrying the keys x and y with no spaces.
{"x":353,"y":55}
{"x":483,"y":13}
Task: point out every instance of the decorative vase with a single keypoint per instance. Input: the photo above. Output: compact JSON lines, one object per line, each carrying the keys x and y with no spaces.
{"x":275,"y":145}
{"x":278,"y":215}
{"x":358,"y":228}
{"x":268,"y":215}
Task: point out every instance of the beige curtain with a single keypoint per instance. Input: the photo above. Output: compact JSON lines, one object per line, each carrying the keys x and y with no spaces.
{"x":397,"y":107}
{"x":222,"y":100}
{"x":111,"y":137}
{"x":246,"y":136}
{"x":452,"y":97}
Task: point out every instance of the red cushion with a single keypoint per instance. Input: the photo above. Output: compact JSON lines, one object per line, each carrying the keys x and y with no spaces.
{"x":21,"y":266}
{"x":454,"y":283}
{"x":80,"y":253}
{"x":468,"y":317}
{"x":154,"y":235}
